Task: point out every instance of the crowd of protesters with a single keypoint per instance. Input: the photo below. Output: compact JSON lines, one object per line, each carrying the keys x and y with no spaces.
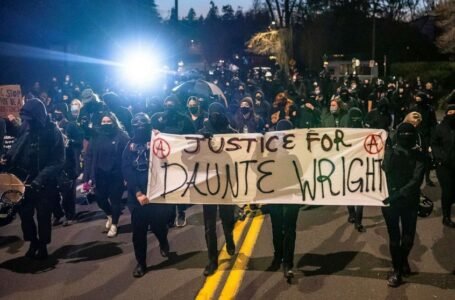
{"x":105,"y":135}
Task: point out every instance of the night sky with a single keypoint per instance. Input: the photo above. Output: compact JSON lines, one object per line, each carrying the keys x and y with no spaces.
{"x":200,"y":6}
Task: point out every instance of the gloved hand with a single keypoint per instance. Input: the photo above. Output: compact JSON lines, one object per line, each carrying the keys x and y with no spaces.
{"x":86,"y":186}
{"x":207,"y":135}
{"x":392,"y":198}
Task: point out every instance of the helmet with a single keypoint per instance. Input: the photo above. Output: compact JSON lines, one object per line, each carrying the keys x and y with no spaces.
{"x":425,"y":206}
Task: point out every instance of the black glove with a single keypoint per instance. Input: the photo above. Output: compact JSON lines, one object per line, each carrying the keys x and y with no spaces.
{"x":392,"y":198}
{"x":207,"y":135}
{"x":35,"y":186}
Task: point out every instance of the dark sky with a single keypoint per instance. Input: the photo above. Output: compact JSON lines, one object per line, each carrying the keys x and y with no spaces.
{"x":200,"y":6}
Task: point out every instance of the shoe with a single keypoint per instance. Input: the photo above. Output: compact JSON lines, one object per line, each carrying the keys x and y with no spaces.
{"x":394,"y":279}
{"x":287,"y":272}
{"x":57,"y":221}
{"x":351,"y":219}
{"x":360,"y":228}
{"x":139,"y":271}
{"x":42,"y":252}
{"x":210,"y":269}
{"x":112,"y":231}
{"x":171,"y":223}
{"x":164,"y":249}
{"x":406,"y":269}
{"x":31,"y":252}
{"x":230,"y":247}
{"x":181,"y":220}
{"x":275,"y":265}
{"x":448,"y":222}
{"x":68,"y":222}
{"x":108,"y":222}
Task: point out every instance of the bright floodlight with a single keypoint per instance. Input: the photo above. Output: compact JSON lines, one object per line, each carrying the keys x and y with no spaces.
{"x":140,"y":67}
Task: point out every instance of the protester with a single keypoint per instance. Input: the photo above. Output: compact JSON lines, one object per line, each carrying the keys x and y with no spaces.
{"x":103,"y":171}
{"x":37,"y":158}
{"x":135,"y":166}
{"x":404,"y":166}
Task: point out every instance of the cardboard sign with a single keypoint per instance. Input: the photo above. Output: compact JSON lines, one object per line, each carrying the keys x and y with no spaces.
{"x":10,"y":100}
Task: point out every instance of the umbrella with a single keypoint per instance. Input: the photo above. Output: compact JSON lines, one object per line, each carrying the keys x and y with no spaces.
{"x":200,"y":88}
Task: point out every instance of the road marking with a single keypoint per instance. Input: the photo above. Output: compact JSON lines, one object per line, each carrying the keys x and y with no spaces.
{"x":237,"y":273}
{"x":212,"y":282}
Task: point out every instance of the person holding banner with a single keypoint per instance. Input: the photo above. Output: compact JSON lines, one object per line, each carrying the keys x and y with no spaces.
{"x":284,"y":222}
{"x":404,"y":165}
{"x":135,"y":167}
{"x":216,"y":124}
{"x":37,"y":158}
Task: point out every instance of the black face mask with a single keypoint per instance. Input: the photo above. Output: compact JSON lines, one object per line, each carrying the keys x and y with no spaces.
{"x":451,"y":120}
{"x":218,"y":121}
{"x":107,"y":129}
{"x":245,"y":110}
{"x":193,"y":110}
{"x":58,"y":117}
{"x":141,"y":134}
{"x":170,"y":109}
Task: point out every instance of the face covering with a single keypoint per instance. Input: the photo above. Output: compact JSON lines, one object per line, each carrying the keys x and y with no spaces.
{"x":58,"y":117}
{"x":141,"y":134}
{"x":333,"y":110}
{"x":170,"y":109}
{"x":245,"y":110}
{"x":74,"y":109}
{"x":107,"y":129}
{"x":193,"y":110}
{"x":451,"y":120}
{"x":218,"y":121}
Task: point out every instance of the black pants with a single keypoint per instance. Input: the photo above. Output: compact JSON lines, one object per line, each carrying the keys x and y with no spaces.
{"x":227,"y":220}
{"x":284,"y":222}
{"x":445,"y":178}
{"x":42,"y":203}
{"x":109,"y":190}
{"x":400,"y":241}
{"x":152,"y":216}
{"x":357,"y":213}
{"x":67,"y":196}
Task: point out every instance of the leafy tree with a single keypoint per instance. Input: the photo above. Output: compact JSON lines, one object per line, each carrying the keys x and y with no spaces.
{"x":445,"y":13}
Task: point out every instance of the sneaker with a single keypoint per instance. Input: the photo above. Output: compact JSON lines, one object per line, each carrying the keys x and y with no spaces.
{"x":287,"y":272}
{"x":230,"y":247}
{"x":275,"y":265}
{"x":446,"y":221}
{"x":112,"y":231}
{"x":406,"y":269}
{"x":31,"y":252}
{"x":164,"y":249}
{"x":68,"y":222}
{"x":181,"y":220}
{"x":108,"y":222}
{"x":351,"y":219}
{"x":42,"y":252}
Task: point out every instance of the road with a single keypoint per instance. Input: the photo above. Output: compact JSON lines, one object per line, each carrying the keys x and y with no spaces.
{"x":332,"y":261}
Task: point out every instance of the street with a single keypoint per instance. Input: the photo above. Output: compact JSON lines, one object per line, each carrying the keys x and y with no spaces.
{"x":332,"y":261}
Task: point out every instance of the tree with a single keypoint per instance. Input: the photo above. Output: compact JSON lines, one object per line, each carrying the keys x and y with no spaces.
{"x":213,"y":13}
{"x":228,"y":12}
{"x":191,"y":16}
{"x":445,"y":14}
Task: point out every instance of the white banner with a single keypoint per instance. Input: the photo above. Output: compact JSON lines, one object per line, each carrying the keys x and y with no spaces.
{"x":10,"y":100}
{"x":323,"y":166}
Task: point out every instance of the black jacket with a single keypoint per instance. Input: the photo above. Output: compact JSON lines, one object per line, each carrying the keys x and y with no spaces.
{"x":38,"y":156}
{"x":404,"y":170}
{"x":443,"y":144}
{"x":172,"y":123}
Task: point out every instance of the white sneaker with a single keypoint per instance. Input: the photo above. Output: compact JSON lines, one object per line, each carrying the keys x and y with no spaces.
{"x":109,"y":222}
{"x":112,"y":231}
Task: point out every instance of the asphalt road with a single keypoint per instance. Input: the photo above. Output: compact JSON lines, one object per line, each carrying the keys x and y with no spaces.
{"x":332,"y":261}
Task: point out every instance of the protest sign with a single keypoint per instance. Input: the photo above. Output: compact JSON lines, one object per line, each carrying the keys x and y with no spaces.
{"x":322,"y":166}
{"x":10,"y":100}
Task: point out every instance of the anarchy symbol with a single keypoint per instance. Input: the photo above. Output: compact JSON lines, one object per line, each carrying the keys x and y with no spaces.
{"x":373,"y":144}
{"x":161,"y":148}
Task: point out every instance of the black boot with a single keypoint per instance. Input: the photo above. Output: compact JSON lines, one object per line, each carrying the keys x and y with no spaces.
{"x":275,"y":265}
{"x":446,"y":221}
{"x":164,"y":249}
{"x":42,"y":252}
{"x":31,"y":252}
{"x":139,"y":271}
{"x":230,"y":246}
{"x":394,"y":279}
{"x":360,"y":228}
{"x":405,"y":268}
{"x":210,"y":268}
